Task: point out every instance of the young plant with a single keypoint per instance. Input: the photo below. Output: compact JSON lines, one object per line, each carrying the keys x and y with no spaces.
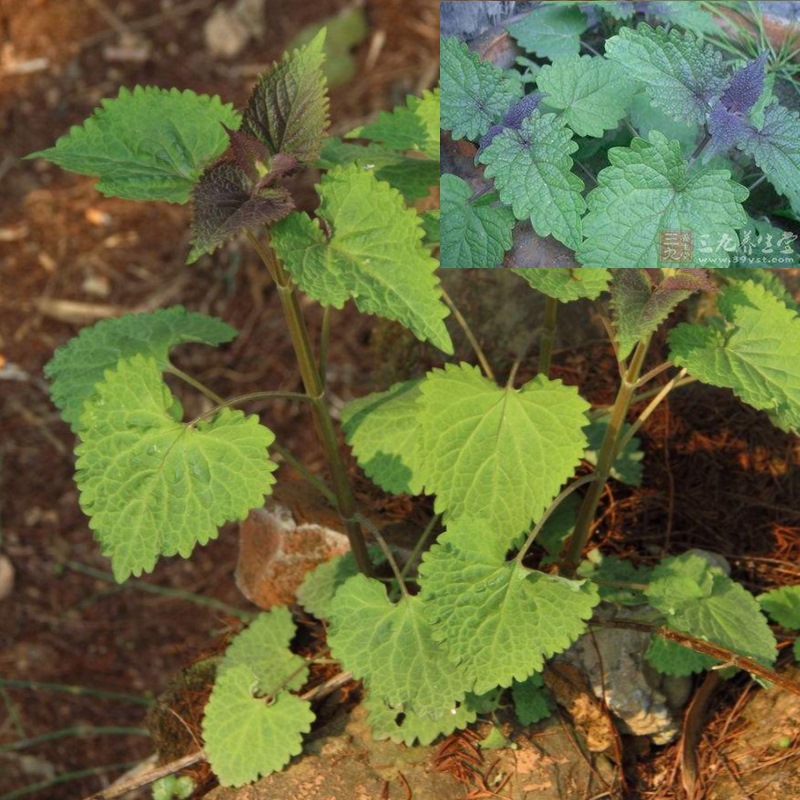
{"x":502,"y":589}
{"x":643,"y":157}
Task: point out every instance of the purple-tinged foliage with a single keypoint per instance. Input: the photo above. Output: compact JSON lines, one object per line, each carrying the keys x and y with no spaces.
{"x":726,"y":129}
{"x":246,"y":151}
{"x":513,"y":118}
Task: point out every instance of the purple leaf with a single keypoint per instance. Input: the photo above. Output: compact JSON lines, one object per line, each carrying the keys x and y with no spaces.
{"x":513,"y":118}
{"x":726,"y":129}
{"x":745,"y":86}
{"x":247,"y":150}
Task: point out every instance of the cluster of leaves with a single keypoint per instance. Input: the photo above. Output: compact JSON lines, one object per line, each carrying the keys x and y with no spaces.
{"x":677,"y":124}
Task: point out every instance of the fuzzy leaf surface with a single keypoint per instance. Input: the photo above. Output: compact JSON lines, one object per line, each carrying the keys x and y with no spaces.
{"x":592,"y":93}
{"x":553,"y":32}
{"x":754,"y":353}
{"x":701,"y":600}
{"x":474,"y":235}
{"x":78,"y":366}
{"x":392,"y":648}
{"x":531,"y":168}
{"x":154,"y":486}
{"x":375,"y":254}
{"x":499,"y":619}
{"x":146,"y":144}
{"x":682,"y":75}
{"x":245,"y":737}
{"x":649,"y":190}
{"x":567,"y":283}
{"x":288,"y":108}
{"x":475,"y":93}
{"x":383,"y":429}
{"x":495,"y":454}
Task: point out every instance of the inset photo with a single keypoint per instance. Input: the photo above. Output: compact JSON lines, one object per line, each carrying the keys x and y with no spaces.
{"x":620,"y":135}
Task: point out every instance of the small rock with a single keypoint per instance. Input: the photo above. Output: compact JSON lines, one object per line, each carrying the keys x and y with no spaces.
{"x":227,"y":31}
{"x":6,"y":577}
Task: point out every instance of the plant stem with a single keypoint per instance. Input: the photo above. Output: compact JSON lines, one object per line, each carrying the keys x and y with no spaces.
{"x":194,"y":383}
{"x":480,"y":355}
{"x":309,"y":372}
{"x":387,"y":552}
{"x":548,"y":335}
{"x":324,"y":340}
{"x":571,"y":555}
{"x":309,"y":476}
{"x":415,"y":553}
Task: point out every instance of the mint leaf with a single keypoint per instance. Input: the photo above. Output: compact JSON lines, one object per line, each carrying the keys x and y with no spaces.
{"x":754,"y":352}
{"x":611,"y":574}
{"x":154,"y":486}
{"x":383,"y":430}
{"x":392,"y":648}
{"x":682,"y":75}
{"x":645,"y":117}
{"x":498,"y":618}
{"x":374,"y":256}
{"x":513,"y":118}
{"x":649,"y":192}
{"x":288,"y":108}
{"x":77,"y":367}
{"x":701,"y":600}
{"x":146,"y":144}
{"x":671,"y":658}
{"x":678,"y":12}
{"x":245,"y":737}
{"x":592,"y":93}
{"x":531,"y":168}
{"x":568,"y":283}
{"x":495,"y":454}
{"x":531,"y":700}
{"x":783,"y":606}
{"x":628,"y":464}
{"x":475,"y":93}
{"x":473,"y":235}
{"x":763,"y":246}
{"x":226,"y":203}
{"x":551,"y":32}
{"x":431,"y":221}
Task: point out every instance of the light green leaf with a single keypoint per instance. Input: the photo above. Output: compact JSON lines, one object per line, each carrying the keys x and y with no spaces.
{"x":701,"y":600}
{"x":551,"y":32}
{"x":592,"y":93}
{"x":247,"y":737}
{"x":77,"y":367}
{"x":475,"y":93}
{"x":500,"y":620}
{"x":531,"y":700}
{"x":404,"y":725}
{"x":414,"y":126}
{"x":612,"y":574}
{"x":495,"y":454}
{"x":264,"y":647}
{"x":155,"y":486}
{"x":474,"y":235}
{"x":531,"y":168}
{"x":148,"y":144}
{"x":383,"y":429}
{"x":754,"y":352}
{"x":682,"y":75}
{"x":567,"y":283}
{"x":671,"y":658}
{"x":172,"y":787}
{"x":650,"y":191}
{"x":645,"y":117}
{"x":783,"y":605}
{"x":374,"y":256}
{"x":392,"y":648}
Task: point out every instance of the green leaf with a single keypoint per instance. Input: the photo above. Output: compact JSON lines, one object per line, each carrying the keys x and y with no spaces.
{"x":531,"y":700}
{"x":374,"y":255}
{"x":154,"y":486}
{"x":414,"y":126}
{"x":391,"y":647}
{"x":495,"y":454}
{"x":475,"y":93}
{"x":776,"y":150}
{"x":671,"y":658}
{"x":531,"y":168}
{"x":551,"y":32}
{"x":593,"y":93}
{"x":754,"y":352}
{"x":474,"y":235}
{"x":77,"y":367}
{"x":649,"y":192}
{"x":627,"y":467}
{"x":611,"y":574}
{"x":567,"y":283}
{"x":383,"y":429}
{"x":645,"y":117}
{"x":783,"y":605}
{"x":172,"y":787}
{"x":500,"y":620}
{"x":687,"y":15}
{"x":558,"y":527}
{"x":146,"y":144}
{"x":766,"y":278}
{"x":245,"y":737}
{"x":431,"y":221}
{"x":264,"y":647}
{"x":763,"y":247}
{"x":288,"y":108}
{"x":682,"y":75}
{"x":701,"y":600}
{"x":404,"y":725}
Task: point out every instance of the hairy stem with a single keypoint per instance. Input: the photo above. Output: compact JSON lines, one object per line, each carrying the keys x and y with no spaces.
{"x":310,"y":375}
{"x":548,"y":335}
{"x":571,"y":555}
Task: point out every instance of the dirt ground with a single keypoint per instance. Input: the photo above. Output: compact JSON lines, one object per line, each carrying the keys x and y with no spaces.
{"x":727,"y":480}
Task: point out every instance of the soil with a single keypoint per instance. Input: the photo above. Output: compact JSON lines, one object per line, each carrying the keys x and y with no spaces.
{"x":719,"y":476}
